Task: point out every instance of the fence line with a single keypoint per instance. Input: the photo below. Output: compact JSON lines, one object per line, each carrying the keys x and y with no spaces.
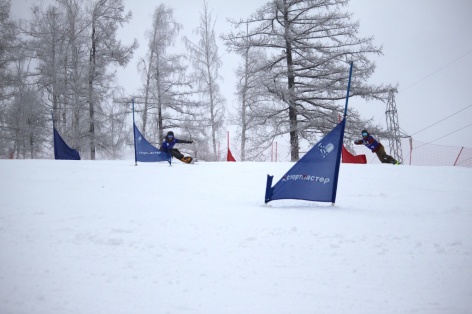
{"x":417,"y":153}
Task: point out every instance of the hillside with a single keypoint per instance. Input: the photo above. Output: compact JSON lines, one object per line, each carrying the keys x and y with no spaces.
{"x":111,"y":237}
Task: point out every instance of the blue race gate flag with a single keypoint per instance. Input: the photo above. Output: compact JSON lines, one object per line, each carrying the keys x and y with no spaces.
{"x":62,"y":150}
{"x":314,"y":177}
{"x":145,"y":152}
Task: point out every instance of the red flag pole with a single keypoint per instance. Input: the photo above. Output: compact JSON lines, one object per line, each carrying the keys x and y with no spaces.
{"x":229,"y":156}
{"x":455,"y":163}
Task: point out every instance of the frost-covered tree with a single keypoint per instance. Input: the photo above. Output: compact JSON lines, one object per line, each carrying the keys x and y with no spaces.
{"x":56,"y":40}
{"x":47,"y":46}
{"x":26,"y":117}
{"x":8,"y":53}
{"x":166,"y":86}
{"x":23,"y":116}
{"x":206,"y":64}
{"x":105,"y":50}
{"x":252,"y":109}
{"x":71,"y":113}
{"x":66,"y":63}
{"x":118,"y":128}
{"x":8,"y":48}
{"x":162,"y":34}
{"x":309,"y":45}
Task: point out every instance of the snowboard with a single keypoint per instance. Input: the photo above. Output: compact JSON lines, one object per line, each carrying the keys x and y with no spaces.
{"x":188,"y":160}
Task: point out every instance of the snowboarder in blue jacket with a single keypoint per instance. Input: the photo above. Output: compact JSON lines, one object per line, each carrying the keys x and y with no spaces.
{"x":168,"y":147}
{"x":376,"y":147}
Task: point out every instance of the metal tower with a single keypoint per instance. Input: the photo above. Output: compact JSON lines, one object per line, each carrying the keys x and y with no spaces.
{"x":393,"y":128}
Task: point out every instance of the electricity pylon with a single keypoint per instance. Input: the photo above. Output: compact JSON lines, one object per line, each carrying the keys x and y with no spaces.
{"x":393,"y":128}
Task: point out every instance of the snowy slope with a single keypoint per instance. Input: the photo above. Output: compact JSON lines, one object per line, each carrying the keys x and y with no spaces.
{"x":111,"y":237}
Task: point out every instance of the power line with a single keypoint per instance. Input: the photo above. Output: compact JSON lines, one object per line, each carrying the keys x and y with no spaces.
{"x":444,"y":136}
{"x":440,"y":69}
{"x":450,"y":133}
{"x":441,"y":120}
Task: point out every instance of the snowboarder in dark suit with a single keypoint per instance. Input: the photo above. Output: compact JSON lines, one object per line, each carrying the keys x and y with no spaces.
{"x":376,"y":147}
{"x":168,"y":147}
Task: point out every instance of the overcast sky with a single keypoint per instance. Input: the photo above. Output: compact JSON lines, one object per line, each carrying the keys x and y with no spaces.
{"x":427,"y":47}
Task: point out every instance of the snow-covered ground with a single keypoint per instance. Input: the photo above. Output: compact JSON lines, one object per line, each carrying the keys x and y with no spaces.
{"x":108,"y":237}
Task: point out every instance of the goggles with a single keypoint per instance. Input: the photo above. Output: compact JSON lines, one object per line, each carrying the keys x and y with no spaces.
{"x":170,"y":136}
{"x":364,"y":134}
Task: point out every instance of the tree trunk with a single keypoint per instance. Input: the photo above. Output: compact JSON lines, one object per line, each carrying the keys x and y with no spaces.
{"x":292,"y":110}
{"x":160,"y":126}
{"x":147,"y":89}
{"x":244,"y":105}
{"x":90,"y":96}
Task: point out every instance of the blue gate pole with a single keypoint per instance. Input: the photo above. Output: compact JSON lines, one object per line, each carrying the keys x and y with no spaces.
{"x":134,"y":136}
{"x":338,"y":158}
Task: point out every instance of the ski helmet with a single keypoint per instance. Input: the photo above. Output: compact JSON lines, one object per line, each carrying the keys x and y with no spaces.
{"x":170,"y":135}
{"x":365,"y":133}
